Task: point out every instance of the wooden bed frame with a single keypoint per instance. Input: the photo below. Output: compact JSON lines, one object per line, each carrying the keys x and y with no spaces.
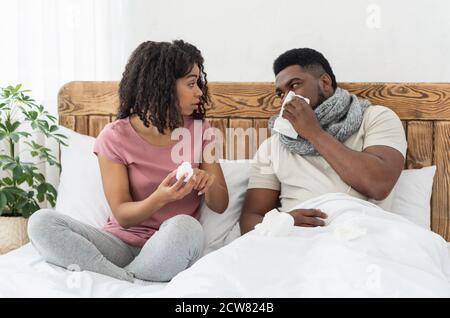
{"x":424,"y":109}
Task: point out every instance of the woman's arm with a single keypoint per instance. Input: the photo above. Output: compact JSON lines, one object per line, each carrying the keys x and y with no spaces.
{"x":128,"y":212}
{"x":213,"y":186}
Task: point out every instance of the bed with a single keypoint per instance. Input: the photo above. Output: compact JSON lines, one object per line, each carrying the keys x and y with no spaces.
{"x":424,"y":108}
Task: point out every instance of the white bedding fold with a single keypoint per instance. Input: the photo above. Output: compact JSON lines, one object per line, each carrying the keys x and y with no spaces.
{"x":392,"y":258}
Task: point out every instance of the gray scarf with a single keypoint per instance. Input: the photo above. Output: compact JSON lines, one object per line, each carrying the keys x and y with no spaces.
{"x":340,"y":116}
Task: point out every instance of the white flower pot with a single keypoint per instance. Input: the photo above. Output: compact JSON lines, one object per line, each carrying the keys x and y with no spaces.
{"x":13,"y":233}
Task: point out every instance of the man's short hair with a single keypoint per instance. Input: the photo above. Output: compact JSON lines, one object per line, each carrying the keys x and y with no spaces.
{"x":307,"y":58}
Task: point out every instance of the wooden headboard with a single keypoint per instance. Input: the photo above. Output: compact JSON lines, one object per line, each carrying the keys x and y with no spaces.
{"x":424,"y":109}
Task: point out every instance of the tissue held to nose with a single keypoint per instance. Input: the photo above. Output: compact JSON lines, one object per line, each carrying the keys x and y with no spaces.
{"x":275,"y":224}
{"x":282,"y":125}
{"x":289,"y":97}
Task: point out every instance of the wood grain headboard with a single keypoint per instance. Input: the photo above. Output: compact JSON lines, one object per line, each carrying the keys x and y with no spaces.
{"x":424,"y":109}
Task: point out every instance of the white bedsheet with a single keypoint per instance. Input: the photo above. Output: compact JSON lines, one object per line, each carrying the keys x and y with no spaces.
{"x":394,"y":258}
{"x":23,"y":273}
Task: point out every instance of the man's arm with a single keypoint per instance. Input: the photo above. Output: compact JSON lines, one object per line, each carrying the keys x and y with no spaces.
{"x":372,"y":172}
{"x":257,"y":203}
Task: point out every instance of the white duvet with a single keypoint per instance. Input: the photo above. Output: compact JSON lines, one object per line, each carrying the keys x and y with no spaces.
{"x":362,"y":252}
{"x":23,"y":273}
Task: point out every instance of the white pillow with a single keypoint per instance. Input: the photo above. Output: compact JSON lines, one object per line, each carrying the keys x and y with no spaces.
{"x":220,"y":229}
{"x":412,"y":195}
{"x":80,"y":190}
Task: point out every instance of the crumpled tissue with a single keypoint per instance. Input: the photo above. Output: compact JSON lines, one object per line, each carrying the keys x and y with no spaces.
{"x":349,"y":230}
{"x":184,"y":168}
{"x":275,"y":223}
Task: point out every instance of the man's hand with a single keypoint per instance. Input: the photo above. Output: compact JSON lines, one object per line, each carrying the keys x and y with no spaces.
{"x":308,"y":217}
{"x":302,"y":117}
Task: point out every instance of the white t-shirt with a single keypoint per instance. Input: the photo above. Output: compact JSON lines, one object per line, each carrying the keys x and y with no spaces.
{"x":299,"y":178}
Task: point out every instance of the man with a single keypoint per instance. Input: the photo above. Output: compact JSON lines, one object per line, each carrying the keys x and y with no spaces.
{"x":344,"y":145}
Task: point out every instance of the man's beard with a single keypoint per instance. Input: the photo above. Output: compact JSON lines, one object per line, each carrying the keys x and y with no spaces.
{"x":321,"y":97}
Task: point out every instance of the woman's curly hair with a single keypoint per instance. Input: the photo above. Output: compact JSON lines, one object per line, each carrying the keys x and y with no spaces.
{"x":148,"y":85}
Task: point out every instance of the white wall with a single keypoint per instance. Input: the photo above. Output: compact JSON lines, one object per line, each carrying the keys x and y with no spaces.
{"x":46,"y":43}
{"x":241,"y":38}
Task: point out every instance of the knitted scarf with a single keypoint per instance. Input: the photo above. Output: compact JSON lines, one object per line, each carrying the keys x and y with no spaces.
{"x":340,"y":115}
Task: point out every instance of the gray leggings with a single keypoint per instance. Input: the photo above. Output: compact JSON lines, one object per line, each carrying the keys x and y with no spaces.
{"x":71,"y":244}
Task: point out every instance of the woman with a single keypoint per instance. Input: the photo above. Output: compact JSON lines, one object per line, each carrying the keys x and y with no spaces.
{"x":153,"y":232}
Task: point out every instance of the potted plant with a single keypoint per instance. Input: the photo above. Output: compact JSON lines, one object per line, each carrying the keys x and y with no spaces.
{"x":21,"y":184}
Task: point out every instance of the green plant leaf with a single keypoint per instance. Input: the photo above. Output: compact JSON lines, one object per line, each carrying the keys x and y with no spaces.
{"x":25,"y":134}
{"x":10,"y":166}
{"x":51,"y":189}
{"x":33,"y":115}
{"x":15,"y":191}
{"x":8,"y":181}
{"x":42,"y":188}
{"x":9,"y":127}
{"x":30,"y":179}
{"x":22,"y":179}
{"x":36,"y":145}
{"x":3,"y":201}
{"x":15,"y":137}
{"x":52,"y":118}
{"x":51,"y":199}
{"x":39,"y":177}
{"x":15,"y":125}
{"x":29,"y":208}
{"x":60,"y":142}
{"x":61,"y":136}
{"x":9,"y":197}
{"x":21,"y":204}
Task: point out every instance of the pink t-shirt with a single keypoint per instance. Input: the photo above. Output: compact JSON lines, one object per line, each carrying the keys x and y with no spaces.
{"x":148,"y":165}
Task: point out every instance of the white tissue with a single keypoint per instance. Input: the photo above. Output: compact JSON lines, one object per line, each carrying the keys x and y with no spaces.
{"x":184,"y":168}
{"x":348,"y":231}
{"x":275,"y":224}
{"x":283,"y":126}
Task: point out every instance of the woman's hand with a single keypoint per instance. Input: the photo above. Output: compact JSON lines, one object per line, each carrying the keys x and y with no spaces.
{"x":169,"y":193}
{"x":203,"y":181}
